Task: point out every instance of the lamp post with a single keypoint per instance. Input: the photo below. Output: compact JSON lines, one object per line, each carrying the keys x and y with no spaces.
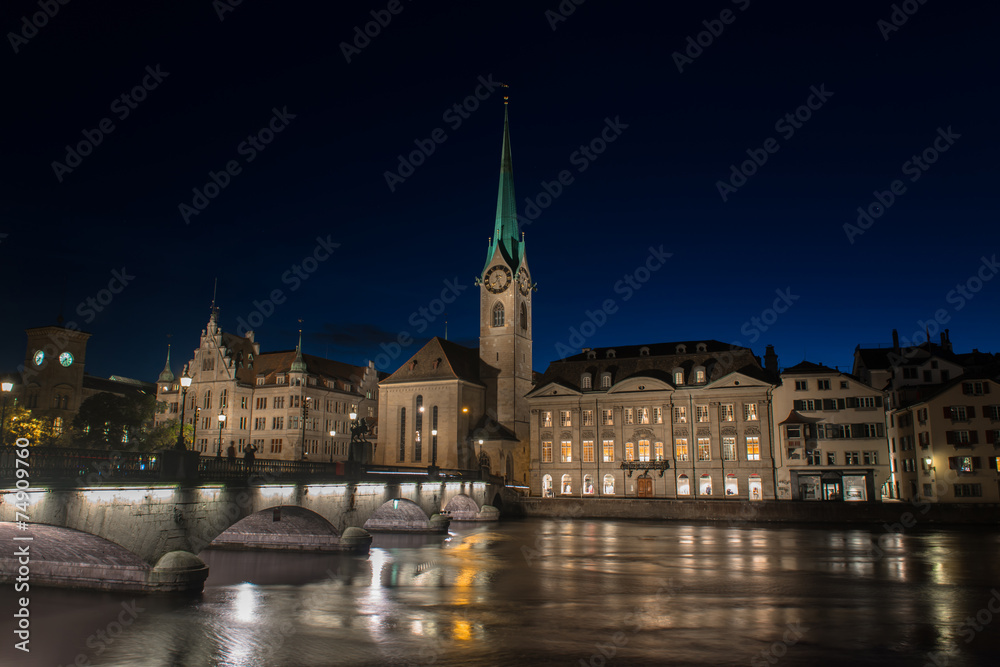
{"x":333,"y":434}
{"x":6,"y":386}
{"x":185,"y":383}
{"x":305,"y":414}
{"x":222,"y":422}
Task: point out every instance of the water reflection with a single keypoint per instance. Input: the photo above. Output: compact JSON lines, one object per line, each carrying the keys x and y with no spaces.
{"x":549,"y":591}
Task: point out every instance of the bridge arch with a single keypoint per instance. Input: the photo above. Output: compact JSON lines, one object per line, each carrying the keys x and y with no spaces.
{"x":400,"y":514}
{"x":461,"y":507}
{"x":279,"y":527}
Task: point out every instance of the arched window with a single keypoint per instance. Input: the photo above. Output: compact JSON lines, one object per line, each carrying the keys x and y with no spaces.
{"x":606,"y":381}
{"x":585,"y":381}
{"x":567,"y":485}
{"x":547,"y":486}
{"x":402,"y":434}
{"x":756,"y":488}
{"x":683,"y":486}
{"x":699,"y":374}
{"x":524,"y":317}
{"x":498,"y":314}
{"x":732,"y":486}
{"x":208,"y":399}
{"x":56,"y":400}
{"x":609,"y":485}
{"x":588,"y":485}
{"x":678,"y":377}
{"x":418,"y":417}
{"x":224,"y":398}
{"x":705,"y":485}
{"x":65,"y":402}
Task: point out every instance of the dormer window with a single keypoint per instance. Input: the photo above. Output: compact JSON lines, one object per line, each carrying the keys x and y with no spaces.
{"x":606,"y":381}
{"x":611,"y":354}
{"x":643,"y":351}
{"x":678,"y":374}
{"x":702,"y":347}
{"x":591,"y":354}
{"x":681,"y":349}
{"x":585,"y":381}
{"x":699,"y":375}
{"x":260,"y":380}
{"x":436,"y":363}
{"x":279,"y":379}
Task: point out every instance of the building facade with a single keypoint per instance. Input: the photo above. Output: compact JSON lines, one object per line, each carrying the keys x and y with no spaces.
{"x":285,"y":403}
{"x":670,"y":420}
{"x":832,"y":442}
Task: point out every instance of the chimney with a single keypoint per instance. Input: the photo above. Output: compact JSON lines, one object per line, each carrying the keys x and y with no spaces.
{"x":770,"y":360}
{"x":895,"y":339}
{"x":946,"y":340}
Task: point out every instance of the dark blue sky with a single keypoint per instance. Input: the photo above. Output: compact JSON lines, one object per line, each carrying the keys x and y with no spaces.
{"x":881,"y":102}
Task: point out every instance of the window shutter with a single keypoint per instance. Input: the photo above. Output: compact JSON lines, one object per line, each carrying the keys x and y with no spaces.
{"x":852,"y":402}
{"x":947,"y":412}
{"x":975,"y":463}
{"x":971,"y":411}
{"x":986,"y":387}
{"x":992,"y":461}
{"x":829,"y":404}
{"x":878,"y":401}
{"x":798,"y":404}
{"x":949,"y":437}
{"x":973,"y":437}
{"x":840,"y":404}
{"x":880,"y":430}
{"x":966,"y":388}
{"x":953,"y":462}
{"x":991,"y":437}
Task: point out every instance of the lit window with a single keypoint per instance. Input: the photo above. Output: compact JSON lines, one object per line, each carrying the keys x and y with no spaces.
{"x":683,"y":486}
{"x":753,"y":448}
{"x":678,"y":378}
{"x":680,"y":415}
{"x":567,"y":484}
{"x":701,"y":413}
{"x":609,"y":485}
{"x":704,"y":449}
{"x":657,"y":415}
{"x":681,"y":449}
{"x":547,"y":486}
{"x":629,"y":451}
{"x":546,"y":451}
{"x":732,"y":486}
{"x":644,"y":450}
{"x":566,"y":451}
{"x":726,"y":412}
{"x":642,"y":414}
{"x":564,"y":418}
{"x":546,"y":418}
{"x":705,"y":485}
{"x":609,"y":450}
{"x":607,"y":418}
{"x":588,"y":417}
{"x":588,"y":451}
{"x":729,"y":448}
{"x":699,"y":375}
{"x":749,"y":412}
{"x":659,"y":451}
{"x":628,"y":415}
{"x":588,"y":485}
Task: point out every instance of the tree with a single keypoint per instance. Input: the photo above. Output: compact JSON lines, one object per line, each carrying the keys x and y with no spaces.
{"x":113,"y":421}
{"x":161,"y":437}
{"x":18,"y":423}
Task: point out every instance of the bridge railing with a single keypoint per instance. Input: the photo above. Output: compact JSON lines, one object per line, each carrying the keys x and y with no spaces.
{"x":81,"y":466}
{"x":87,"y":467}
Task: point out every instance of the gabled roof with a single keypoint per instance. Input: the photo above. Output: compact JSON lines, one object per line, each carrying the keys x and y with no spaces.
{"x":808,"y":367}
{"x":123,"y":386}
{"x":490,"y":429}
{"x":926,"y":393}
{"x":270,"y":364}
{"x":795,"y":418}
{"x":656,"y":360}
{"x":439,"y":359}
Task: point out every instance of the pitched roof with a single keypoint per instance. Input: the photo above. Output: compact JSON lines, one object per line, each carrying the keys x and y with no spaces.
{"x":439,"y":359}
{"x":808,"y":367}
{"x":506,"y":238}
{"x":116,"y":385}
{"x":270,"y":364}
{"x":656,"y":360}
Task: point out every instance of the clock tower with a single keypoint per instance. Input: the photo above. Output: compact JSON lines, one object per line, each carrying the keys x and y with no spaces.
{"x":505,"y":288}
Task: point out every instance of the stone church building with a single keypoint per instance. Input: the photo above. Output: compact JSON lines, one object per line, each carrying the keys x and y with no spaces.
{"x":452,"y":406}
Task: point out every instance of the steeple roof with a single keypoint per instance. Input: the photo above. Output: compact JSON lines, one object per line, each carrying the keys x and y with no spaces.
{"x":299,"y":365}
{"x":506,"y":238}
{"x":166,"y":375}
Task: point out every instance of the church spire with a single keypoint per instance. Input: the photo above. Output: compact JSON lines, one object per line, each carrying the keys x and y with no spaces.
{"x":299,"y":365}
{"x":166,"y":375}
{"x":505,"y":233}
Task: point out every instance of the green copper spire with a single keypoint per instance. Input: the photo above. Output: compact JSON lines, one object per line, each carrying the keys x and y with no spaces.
{"x":299,"y":365}
{"x":166,"y":375}
{"x":506,"y":237}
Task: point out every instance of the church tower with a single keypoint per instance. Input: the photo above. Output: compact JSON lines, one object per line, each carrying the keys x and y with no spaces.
{"x":505,"y":289}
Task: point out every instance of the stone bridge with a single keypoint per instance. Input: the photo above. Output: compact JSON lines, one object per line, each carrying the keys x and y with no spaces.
{"x":160,"y":526}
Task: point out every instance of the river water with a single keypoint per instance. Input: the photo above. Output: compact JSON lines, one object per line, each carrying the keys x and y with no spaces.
{"x":558,"y":592}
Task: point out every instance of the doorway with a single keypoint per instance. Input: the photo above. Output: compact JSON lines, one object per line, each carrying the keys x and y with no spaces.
{"x":644,"y":487}
{"x":831,"y":491}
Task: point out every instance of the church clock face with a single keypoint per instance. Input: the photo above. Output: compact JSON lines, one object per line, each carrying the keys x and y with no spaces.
{"x":497,"y":279}
{"x":66,"y":359}
{"x":524,"y":281}
{"x":39,"y":357}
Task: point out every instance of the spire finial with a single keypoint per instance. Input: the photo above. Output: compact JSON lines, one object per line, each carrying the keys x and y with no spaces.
{"x":299,"y":365}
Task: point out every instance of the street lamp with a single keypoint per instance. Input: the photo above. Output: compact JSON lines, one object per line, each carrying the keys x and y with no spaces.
{"x":6,"y":386}
{"x":333,"y":434}
{"x":434,"y":447}
{"x":185,"y":383}
{"x":222,"y":422}
{"x":305,"y":414}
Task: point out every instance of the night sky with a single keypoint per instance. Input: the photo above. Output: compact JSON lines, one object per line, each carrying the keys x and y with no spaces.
{"x":679,"y":116}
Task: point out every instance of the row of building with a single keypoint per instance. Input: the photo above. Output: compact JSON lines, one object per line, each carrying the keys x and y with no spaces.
{"x":688,"y":419}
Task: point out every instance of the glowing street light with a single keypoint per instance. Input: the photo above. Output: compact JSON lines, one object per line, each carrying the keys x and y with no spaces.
{"x":185,"y":383}
{"x":6,"y":386}
{"x":222,"y":422}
